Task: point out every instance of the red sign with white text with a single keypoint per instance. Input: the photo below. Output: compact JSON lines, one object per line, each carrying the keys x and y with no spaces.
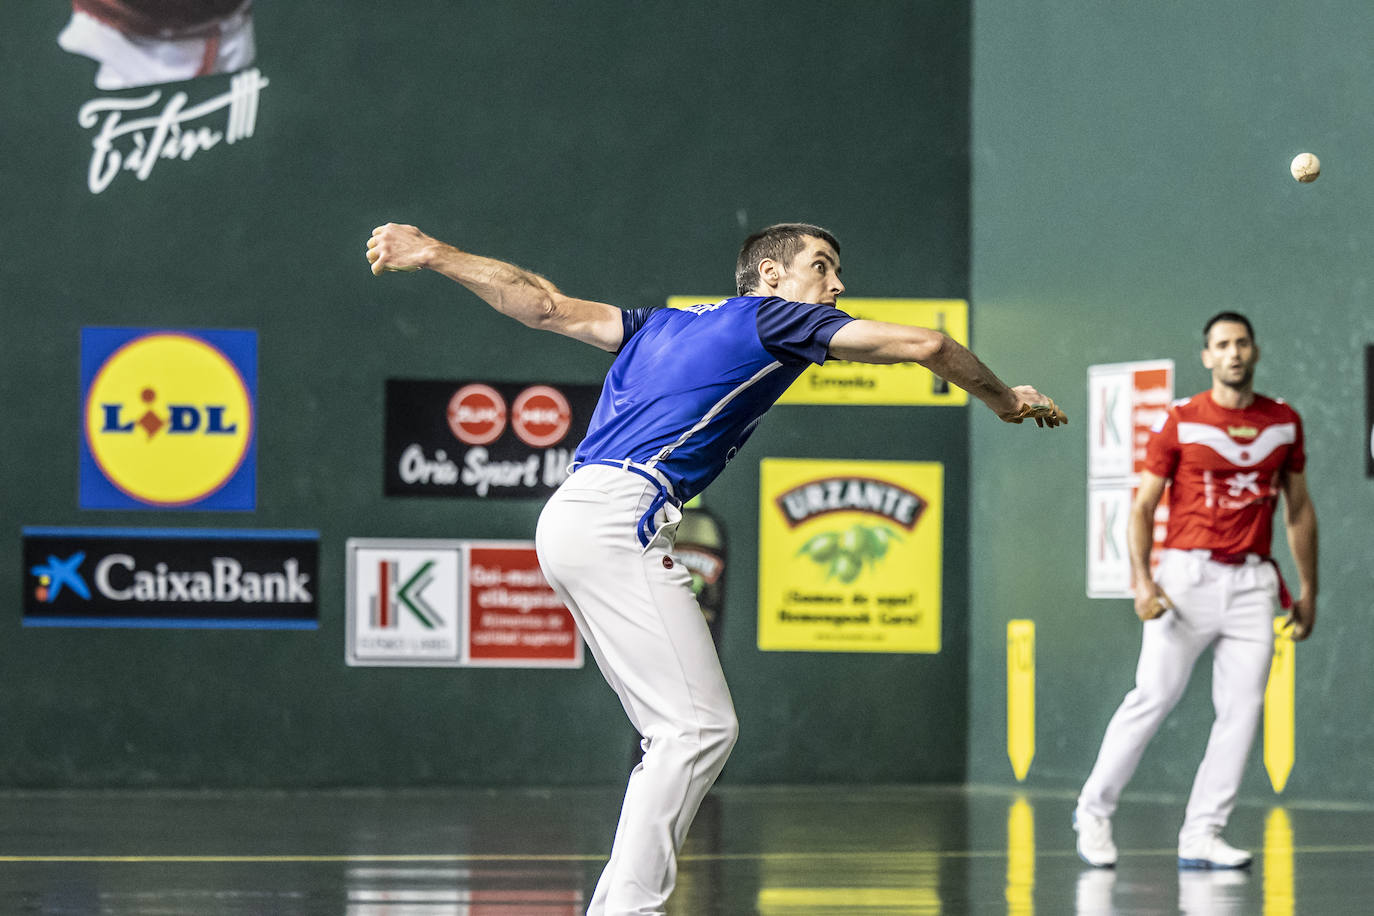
{"x":514,"y":619}
{"x":541,"y":416}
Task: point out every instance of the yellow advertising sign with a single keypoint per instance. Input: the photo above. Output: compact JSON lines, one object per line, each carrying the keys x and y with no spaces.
{"x":1278,"y":709}
{"x":1020,"y":696}
{"x":843,"y":382}
{"x":850,"y":555}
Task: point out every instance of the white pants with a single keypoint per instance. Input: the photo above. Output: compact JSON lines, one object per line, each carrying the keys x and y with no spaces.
{"x":635,"y":609}
{"x":132,"y":60}
{"x":1229,"y":609}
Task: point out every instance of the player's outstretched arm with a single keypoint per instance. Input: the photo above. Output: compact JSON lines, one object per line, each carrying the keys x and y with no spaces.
{"x":882,"y":343}
{"x":525,"y":296}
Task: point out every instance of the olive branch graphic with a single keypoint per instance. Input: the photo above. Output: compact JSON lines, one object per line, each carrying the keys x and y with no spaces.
{"x":845,"y":552}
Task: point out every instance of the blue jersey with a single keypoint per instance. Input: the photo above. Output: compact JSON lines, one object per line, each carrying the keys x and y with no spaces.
{"x":689,"y":385}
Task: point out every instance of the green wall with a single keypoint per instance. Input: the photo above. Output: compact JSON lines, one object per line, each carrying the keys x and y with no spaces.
{"x":623,"y":150}
{"x":1130,"y":178}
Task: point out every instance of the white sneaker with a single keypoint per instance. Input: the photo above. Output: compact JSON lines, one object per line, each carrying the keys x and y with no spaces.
{"x":1095,"y":844}
{"x":1210,"y":851}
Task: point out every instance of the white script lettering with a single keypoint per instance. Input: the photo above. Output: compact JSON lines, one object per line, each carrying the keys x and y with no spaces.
{"x":135,"y":145}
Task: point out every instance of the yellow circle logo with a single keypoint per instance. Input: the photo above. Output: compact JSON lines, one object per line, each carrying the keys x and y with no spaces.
{"x":169,"y":419}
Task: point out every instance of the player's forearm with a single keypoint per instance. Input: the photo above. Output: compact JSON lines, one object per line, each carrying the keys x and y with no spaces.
{"x":513,"y":291}
{"x":1140,"y":541}
{"x":1302,"y":542}
{"x":957,"y":364}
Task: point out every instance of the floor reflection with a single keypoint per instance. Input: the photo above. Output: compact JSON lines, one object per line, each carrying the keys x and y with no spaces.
{"x":1093,"y":892}
{"x":1278,"y":864}
{"x":1213,"y":893}
{"x":1021,"y":858}
{"x":462,"y":892}
{"x":827,"y":851}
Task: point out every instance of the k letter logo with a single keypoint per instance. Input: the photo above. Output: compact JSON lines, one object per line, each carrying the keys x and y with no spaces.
{"x":168,"y":419}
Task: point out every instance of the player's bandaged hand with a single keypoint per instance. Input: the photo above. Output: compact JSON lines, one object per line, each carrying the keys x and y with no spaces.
{"x":1152,"y":602}
{"x":1035,"y":406}
{"x":1301,"y":618}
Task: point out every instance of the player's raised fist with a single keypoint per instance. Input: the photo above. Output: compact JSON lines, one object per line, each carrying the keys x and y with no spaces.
{"x":398,"y":247}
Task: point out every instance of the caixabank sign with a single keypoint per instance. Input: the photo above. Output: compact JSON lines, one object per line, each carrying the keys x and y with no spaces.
{"x":161,"y":577}
{"x":168,"y":419}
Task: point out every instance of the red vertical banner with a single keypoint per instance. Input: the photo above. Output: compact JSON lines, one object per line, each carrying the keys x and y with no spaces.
{"x":1153,"y":392}
{"x":514,"y":619}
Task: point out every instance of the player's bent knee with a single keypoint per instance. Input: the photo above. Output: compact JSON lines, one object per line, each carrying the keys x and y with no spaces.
{"x":721,"y":738}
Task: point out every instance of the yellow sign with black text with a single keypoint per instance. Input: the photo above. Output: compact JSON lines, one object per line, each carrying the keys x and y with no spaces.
{"x":902,"y":384}
{"x":850,"y":555}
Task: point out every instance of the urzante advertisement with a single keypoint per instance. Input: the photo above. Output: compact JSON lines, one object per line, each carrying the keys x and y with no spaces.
{"x":850,"y":555}
{"x":482,"y":440}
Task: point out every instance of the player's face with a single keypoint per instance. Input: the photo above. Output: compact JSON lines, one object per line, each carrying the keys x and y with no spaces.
{"x":1230,"y":354}
{"x":813,"y":275}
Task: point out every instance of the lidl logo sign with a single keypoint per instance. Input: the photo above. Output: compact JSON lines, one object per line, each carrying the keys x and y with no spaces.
{"x":168,"y":419}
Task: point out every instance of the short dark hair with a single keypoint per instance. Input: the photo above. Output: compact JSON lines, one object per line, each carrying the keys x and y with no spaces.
{"x":781,"y":242}
{"x":1226,"y":316}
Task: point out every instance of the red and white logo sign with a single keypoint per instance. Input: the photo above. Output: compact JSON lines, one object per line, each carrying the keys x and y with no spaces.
{"x":514,"y":619}
{"x":477,"y":414}
{"x":541,"y":416}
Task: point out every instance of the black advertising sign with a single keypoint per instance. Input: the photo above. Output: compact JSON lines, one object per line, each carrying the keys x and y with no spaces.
{"x":170,"y":577}
{"x":482,"y":440}
{"x":1369,"y":410}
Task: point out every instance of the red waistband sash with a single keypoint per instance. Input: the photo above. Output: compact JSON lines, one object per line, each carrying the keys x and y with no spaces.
{"x":1239,"y":559}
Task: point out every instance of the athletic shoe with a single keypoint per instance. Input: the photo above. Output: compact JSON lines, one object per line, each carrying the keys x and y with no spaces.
{"x":1095,"y":844}
{"x":1210,"y":851}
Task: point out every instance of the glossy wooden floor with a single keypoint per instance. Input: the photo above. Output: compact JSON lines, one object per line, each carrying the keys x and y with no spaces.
{"x":776,"y":852}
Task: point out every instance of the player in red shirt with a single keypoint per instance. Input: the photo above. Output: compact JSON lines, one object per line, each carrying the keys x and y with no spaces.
{"x":1228,"y":453}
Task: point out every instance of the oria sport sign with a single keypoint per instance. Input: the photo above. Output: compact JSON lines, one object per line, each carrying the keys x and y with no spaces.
{"x":482,"y":440}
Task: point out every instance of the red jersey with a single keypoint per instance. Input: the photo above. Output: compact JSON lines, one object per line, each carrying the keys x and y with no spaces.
{"x":1225,"y":468}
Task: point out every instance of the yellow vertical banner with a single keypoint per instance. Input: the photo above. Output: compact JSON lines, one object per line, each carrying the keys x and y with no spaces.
{"x":1278,"y":864}
{"x":1278,"y":709}
{"x":850,"y":555}
{"x":1020,"y":695}
{"x":1021,"y":858}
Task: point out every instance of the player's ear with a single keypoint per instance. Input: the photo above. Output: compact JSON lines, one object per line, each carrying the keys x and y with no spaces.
{"x":770,"y":273}
{"x":1206,"y":358}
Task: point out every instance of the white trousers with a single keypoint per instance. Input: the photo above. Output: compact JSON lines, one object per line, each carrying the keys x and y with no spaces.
{"x":635,"y":609}
{"x":1229,"y":609}
{"x":132,"y":60}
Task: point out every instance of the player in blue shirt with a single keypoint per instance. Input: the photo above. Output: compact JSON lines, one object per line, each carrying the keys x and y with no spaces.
{"x":685,"y":391}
